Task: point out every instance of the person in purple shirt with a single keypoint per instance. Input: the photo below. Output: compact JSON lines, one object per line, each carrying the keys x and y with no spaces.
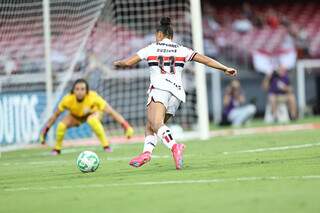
{"x":280,"y":90}
{"x":235,"y":111}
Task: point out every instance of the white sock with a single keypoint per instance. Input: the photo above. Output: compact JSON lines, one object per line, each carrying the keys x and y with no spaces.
{"x":150,"y":143}
{"x":165,"y":134}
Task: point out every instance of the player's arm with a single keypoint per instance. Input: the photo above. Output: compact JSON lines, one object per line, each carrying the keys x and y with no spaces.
{"x":119,"y":118}
{"x":214,"y":64}
{"x":48,"y":125}
{"x":129,"y":62}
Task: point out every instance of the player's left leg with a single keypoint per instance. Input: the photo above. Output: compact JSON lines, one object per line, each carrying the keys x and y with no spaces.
{"x":94,"y":121}
{"x":150,"y":140}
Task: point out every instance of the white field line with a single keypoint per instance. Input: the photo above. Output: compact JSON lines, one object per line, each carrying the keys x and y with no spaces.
{"x":278,"y":148}
{"x":46,"y":162}
{"x":167,"y":182}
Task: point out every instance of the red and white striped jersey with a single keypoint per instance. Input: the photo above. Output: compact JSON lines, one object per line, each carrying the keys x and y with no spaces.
{"x":166,"y":60}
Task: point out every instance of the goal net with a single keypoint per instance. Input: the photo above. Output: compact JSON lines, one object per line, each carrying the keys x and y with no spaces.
{"x":86,"y":37}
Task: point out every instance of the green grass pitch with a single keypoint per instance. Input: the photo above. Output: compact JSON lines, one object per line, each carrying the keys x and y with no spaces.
{"x":223,"y":174}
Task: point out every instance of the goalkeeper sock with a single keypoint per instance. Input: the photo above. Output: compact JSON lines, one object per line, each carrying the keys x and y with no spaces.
{"x":61,"y":130}
{"x":97,"y":128}
{"x":165,"y":134}
{"x":150,"y":143}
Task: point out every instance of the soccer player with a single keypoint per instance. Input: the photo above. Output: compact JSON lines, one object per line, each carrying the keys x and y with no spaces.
{"x":166,"y":60}
{"x":84,"y":105}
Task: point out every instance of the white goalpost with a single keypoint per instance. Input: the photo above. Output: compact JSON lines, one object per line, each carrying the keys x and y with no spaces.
{"x":302,"y":66}
{"x":46,"y":44}
{"x":202,"y":100}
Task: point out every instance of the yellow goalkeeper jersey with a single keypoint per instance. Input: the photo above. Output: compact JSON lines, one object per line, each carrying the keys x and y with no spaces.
{"x":91,"y":103}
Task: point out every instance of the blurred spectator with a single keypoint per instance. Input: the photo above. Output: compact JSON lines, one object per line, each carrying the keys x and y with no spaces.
{"x":213,"y":25}
{"x":235,"y":111}
{"x":280,"y":91}
{"x":301,"y":39}
{"x":252,"y":15}
{"x":242,"y":24}
{"x":247,"y":11}
{"x":284,"y":20}
{"x":272,"y":19}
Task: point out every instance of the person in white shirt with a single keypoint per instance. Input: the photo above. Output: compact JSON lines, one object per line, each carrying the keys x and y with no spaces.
{"x":166,"y":60}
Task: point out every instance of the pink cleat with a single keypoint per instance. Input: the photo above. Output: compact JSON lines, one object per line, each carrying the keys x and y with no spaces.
{"x":177,"y":153}
{"x":141,"y":159}
{"x":55,"y":152}
{"x":107,"y":149}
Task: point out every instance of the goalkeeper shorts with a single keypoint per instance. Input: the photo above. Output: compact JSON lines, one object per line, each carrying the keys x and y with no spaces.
{"x":170,"y":101}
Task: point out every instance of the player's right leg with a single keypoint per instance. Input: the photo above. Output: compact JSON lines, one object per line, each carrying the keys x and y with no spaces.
{"x":177,"y":149}
{"x":150,"y":143}
{"x":67,"y":122}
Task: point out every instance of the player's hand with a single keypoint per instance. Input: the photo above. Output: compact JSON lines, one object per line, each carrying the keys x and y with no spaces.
{"x":117,"y":64}
{"x":231,"y":71}
{"x":129,"y":132}
{"x":43,"y":135}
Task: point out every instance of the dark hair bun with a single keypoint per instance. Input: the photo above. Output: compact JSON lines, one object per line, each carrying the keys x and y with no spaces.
{"x":165,"y":21}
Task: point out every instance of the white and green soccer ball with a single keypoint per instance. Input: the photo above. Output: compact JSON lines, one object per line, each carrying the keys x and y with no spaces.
{"x":88,"y":161}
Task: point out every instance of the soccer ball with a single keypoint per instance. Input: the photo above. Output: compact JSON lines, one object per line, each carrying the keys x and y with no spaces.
{"x":88,"y":161}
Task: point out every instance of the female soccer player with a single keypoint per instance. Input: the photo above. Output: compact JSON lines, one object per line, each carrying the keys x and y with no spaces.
{"x":166,"y":60}
{"x":83,"y":105}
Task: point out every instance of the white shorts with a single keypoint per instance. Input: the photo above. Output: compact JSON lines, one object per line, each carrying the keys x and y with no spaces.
{"x":170,"y":101}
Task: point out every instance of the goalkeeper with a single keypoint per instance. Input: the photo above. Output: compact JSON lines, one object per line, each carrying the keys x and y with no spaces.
{"x":83,"y":105}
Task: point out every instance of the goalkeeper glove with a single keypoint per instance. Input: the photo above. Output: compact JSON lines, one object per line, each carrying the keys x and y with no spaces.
{"x":43,"y":134}
{"x":128,"y":130}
